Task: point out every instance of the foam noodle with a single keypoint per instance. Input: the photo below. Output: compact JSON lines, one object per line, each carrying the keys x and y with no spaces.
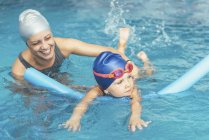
{"x":183,"y":83}
{"x":189,"y":78}
{"x":41,"y":80}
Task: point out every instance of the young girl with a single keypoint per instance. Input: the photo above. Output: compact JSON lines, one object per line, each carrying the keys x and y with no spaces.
{"x":115,"y":77}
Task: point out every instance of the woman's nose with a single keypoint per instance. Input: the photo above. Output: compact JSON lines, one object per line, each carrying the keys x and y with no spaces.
{"x":44,"y":45}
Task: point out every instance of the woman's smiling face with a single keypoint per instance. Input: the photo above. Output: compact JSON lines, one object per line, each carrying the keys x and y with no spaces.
{"x":42,"y":45}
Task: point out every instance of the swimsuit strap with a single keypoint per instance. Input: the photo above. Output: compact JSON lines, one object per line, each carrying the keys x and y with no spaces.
{"x":59,"y":58}
{"x":24,"y":62}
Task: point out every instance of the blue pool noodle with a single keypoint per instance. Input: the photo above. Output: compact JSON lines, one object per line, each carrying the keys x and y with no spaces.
{"x":41,"y":80}
{"x":183,"y":83}
{"x":189,"y":78}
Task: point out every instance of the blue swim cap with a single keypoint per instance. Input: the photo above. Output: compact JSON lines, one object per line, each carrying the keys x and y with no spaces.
{"x":105,"y":63}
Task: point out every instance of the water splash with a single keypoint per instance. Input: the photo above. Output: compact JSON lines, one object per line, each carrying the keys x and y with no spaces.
{"x":163,"y":36}
{"x":116,"y":20}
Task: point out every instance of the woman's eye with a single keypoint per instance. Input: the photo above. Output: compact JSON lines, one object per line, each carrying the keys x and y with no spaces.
{"x":35,"y":43}
{"x":49,"y":37}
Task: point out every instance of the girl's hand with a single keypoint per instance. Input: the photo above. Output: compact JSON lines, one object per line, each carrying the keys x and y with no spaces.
{"x":73,"y":124}
{"x":136,"y":122}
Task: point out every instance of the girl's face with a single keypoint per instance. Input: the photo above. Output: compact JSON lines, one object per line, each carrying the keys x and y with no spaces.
{"x":42,"y":45}
{"x":122,"y":87}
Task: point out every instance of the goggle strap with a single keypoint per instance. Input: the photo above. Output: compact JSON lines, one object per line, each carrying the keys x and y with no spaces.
{"x":103,"y":75}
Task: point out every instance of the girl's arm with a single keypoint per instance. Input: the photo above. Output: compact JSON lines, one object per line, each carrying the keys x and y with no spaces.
{"x":136,"y":109}
{"x":73,"y":123}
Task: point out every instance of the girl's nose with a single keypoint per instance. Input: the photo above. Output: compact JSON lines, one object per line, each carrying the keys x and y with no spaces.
{"x":127,"y":84}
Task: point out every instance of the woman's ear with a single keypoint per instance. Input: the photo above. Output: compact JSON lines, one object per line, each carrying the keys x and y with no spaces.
{"x":27,"y":43}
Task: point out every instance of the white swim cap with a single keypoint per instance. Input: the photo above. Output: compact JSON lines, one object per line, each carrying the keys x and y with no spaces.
{"x":31,"y":22}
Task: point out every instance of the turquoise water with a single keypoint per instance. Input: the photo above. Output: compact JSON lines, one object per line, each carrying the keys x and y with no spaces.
{"x":173,"y":33}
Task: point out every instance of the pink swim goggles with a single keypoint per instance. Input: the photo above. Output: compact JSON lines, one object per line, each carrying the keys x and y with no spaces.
{"x":118,"y":73}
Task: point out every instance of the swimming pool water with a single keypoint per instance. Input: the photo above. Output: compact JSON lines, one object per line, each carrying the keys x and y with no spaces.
{"x":173,"y":33}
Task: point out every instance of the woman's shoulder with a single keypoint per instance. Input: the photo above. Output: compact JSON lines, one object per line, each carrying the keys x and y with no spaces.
{"x":18,"y":69}
{"x":64,"y":44}
{"x":66,"y":41}
{"x":67,"y":45}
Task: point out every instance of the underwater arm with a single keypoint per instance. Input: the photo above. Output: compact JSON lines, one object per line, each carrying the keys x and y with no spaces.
{"x":136,"y":109}
{"x":73,"y":123}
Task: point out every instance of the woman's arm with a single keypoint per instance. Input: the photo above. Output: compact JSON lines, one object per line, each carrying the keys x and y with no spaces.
{"x":73,"y":123}
{"x":72,"y":46}
{"x":136,"y":109}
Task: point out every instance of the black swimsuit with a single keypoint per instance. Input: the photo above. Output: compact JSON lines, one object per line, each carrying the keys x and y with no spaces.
{"x":48,"y":71}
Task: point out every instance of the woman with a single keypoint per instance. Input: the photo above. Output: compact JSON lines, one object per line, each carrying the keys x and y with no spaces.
{"x":46,"y":52}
